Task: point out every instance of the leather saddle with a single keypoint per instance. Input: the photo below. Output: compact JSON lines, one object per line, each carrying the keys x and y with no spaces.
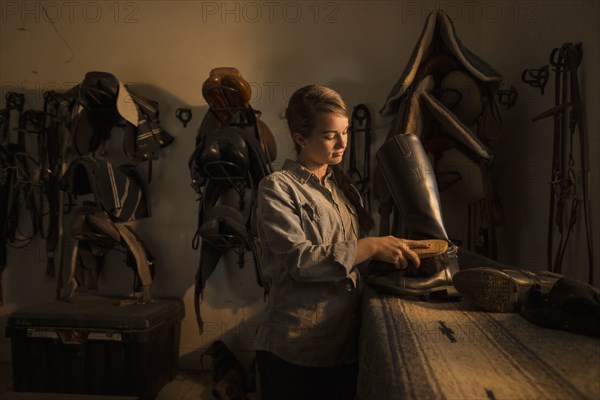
{"x":228,"y":95}
{"x":223,"y":229}
{"x":96,"y":234}
{"x":234,"y":151}
{"x":228,"y":152}
{"x":100,"y":103}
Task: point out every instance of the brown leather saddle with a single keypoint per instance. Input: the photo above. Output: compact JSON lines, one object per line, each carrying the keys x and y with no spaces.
{"x":227,"y":94}
{"x":234,"y":151}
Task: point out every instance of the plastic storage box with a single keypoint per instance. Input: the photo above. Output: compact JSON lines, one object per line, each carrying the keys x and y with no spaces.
{"x":95,"y":346}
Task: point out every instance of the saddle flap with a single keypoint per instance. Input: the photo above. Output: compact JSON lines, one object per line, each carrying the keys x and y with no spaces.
{"x":222,"y":153}
{"x":457,"y":172}
{"x":415,"y":121}
{"x":95,"y":112}
{"x":92,"y":224}
{"x":461,"y":94}
{"x":421,"y":51}
{"x":224,"y":227}
{"x":452,"y":126}
{"x":473,"y":63}
{"x":120,"y":192}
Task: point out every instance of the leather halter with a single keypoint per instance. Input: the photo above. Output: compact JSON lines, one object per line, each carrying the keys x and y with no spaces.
{"x":568,"y":122}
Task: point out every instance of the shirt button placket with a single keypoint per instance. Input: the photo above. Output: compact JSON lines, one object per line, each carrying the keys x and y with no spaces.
{"x":349,"y":286}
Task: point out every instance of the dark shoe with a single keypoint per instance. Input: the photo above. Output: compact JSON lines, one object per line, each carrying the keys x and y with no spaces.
{"x":570,"y":305}
{"x":229,"y":378}
{"x":438,"y":284}
{"x":497,"y":290}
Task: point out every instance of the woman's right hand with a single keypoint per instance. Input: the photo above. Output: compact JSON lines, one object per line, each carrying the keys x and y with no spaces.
{"x":396,"y":251}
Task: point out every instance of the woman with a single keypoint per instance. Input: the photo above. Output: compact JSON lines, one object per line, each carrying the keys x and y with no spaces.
{"x":308,"y":226}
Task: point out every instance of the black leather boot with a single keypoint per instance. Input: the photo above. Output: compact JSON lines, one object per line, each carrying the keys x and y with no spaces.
{"x":412,"y":184}
{"x":505,"y":290}
{"x":437,"y":285}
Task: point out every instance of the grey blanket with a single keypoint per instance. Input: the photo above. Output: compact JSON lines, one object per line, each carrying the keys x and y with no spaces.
{"x":411,"y":349}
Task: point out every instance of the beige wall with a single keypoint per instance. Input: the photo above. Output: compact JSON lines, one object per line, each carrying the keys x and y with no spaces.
{"x":166,"y":49}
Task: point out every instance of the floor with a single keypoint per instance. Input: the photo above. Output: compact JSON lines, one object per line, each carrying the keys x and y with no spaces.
{"x":187,"y":385}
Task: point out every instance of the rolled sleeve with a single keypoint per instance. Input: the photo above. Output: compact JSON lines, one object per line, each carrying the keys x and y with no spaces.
{"x":284,"y":242}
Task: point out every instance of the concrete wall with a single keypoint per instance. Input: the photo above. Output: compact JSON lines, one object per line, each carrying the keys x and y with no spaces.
{"x":165,"y":49}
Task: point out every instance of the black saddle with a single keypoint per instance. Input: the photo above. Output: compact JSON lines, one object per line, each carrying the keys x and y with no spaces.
{"x":100,"y":103}
{"x":96,"y":234}
{"x":234,"y":150}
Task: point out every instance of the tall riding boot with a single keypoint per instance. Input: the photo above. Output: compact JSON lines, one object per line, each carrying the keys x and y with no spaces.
{"x":412,"y":184}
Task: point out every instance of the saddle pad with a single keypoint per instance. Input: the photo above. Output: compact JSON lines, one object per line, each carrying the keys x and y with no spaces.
{"x":437,"y":27}
{"x":453,"y":127}
{"x":412,"y":349}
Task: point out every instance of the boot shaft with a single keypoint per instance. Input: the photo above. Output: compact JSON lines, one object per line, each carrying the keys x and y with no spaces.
{"x":412,"y":184}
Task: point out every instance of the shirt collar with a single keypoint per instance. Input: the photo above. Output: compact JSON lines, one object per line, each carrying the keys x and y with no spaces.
{"x":301,"y":173}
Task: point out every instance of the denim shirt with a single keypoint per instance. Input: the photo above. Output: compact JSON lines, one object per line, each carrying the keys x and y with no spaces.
{"x":307,"y":256}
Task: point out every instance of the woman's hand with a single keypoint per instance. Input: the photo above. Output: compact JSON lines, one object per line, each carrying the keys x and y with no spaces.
{"x":389,"y":249}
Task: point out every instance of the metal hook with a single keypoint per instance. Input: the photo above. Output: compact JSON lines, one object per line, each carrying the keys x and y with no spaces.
{"x":15,"y":100}
{"x":184,"y":115}
{"x":508,"y":97}
{"x":536,"y":77}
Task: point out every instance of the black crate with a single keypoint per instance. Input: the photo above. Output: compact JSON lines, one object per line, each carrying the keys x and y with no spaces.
{"x":95,"y":346}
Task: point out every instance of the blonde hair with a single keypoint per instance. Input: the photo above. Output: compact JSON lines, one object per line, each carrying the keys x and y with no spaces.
{"x":306,"y":103}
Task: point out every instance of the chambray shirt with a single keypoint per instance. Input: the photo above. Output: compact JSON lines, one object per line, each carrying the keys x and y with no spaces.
{"x":308,"y":234}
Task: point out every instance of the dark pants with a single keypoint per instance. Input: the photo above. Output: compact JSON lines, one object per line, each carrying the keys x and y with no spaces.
{"x":280,"y":380}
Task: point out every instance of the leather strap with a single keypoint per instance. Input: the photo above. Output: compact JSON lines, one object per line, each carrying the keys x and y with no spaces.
{"x":361,"y":123}
{"x":568,"y":122}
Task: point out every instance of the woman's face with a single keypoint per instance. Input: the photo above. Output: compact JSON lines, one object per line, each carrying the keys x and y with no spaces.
{"x":327,"y":141}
